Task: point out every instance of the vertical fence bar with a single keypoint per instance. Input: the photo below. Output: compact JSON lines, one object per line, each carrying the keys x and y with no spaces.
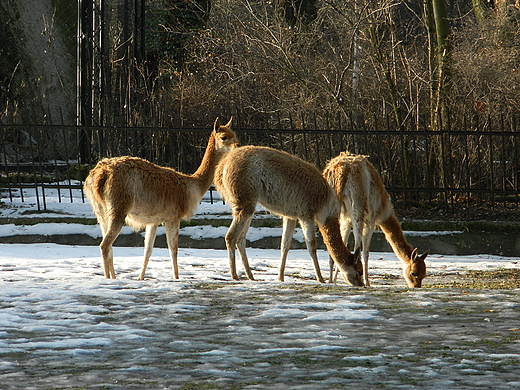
{"x":427,"y":153}
{"x":17,"y":159}
{"x":56,"y":168}
{"x":442,"y":157}
{"x":280,"y":131}
{"x":414,"y":178}
{"x":449,"y":164}
{"x":40,"y":165}
{"x":478,"y":160}
{"x":269,"y":136}
{"x":5,"y":131}
{"x":379,"y":156}
{"x":340,"y":135}
{"x":305,"y":143}
{"x":329,"y":137}
{"x":35,"y":178}
{"x":390,"y":157}
{"x":317,"y":143}
{"x":293,"y":143}
{"x":514,"y":163}
{"x":503,"y":159}
{"x":466,"y":161}
{"x":491,"y":162}
{"x":67,"y":163}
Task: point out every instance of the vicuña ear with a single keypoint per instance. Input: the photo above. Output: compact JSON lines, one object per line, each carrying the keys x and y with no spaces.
{"x":216,"y":126}
{"x":415,"y":255}
{"x":228,"y":125}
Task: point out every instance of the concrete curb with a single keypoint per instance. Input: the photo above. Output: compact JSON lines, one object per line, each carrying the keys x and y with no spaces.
{"x":493,"y":238}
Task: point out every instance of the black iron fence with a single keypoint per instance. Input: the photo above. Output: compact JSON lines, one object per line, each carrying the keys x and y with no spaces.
{"x":476,"y":161}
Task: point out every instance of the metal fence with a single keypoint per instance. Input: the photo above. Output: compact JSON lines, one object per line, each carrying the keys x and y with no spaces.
{"x":475,"y":161}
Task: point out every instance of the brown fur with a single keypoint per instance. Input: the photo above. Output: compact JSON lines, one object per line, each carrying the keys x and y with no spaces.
{"x":142,"y":194}
{"x":291,"y":188}
{"x":365,"y":203}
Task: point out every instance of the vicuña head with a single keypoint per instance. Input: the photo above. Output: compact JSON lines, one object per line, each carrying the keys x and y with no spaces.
{"x":291,"y":188}
{"x":145,"y":195}
{"x":414,"y":270}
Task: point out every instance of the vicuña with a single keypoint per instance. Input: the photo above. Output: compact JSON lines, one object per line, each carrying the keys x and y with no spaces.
{"x":365,"y":203}
{"x":291,"y":188}
{"x":146,"y":195}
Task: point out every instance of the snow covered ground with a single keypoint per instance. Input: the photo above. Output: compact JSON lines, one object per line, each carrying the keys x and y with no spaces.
{"x":62,"y":325}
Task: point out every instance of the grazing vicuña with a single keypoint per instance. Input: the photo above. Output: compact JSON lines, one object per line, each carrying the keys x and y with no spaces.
{"x":365,"y":203}
{"x":291,"y":188}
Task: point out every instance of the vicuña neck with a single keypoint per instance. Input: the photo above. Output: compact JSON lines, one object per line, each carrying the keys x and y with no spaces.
{"x":331,"y":234}
{"x":395,"y":237}
{"x":206,"y":170}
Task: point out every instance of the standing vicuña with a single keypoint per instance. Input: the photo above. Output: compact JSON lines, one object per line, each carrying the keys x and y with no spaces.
{"x":365,"y":203}
{"x":289,"y":187}
{"x":146,"y":195}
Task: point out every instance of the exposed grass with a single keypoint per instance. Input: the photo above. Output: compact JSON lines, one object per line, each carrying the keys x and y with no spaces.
{"x":211,"y":286}
{"x":502,"y":273}
{"x":318,"y":289}
{"x":389,"y":277}
{"x":199,"y":386}
{"x":500,"y":279}
{"x":211,"y":386}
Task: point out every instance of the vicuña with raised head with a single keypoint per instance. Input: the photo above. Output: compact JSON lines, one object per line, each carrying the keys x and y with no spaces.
{"x":291,"y":188}
{"x":146,"y":195}
{"x":365,"y":203}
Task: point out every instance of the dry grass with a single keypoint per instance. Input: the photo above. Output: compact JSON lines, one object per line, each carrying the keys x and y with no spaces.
{"x":500,"y":279}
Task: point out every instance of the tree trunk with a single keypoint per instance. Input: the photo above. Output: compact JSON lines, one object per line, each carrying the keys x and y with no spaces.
{"x":440,"y":83}
{"x":480,"y":10}
{"x":444,"y":54}
{"x":377,"y":40}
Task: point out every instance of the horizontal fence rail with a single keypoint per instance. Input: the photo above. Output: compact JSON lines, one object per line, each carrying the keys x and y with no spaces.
{"x":472,"y":164}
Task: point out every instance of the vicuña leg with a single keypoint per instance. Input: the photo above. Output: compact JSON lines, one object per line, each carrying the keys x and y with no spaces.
{"x":358,"y":229}
{"x":309,"y":233}
{"x":345,"y":225}
{"x":362,"y":237}
{"x":365,"y":245}
{"x":236,"y":238}
{"x":287,"y":235}
{"x":172,"y":239}
{"x":111,"y":231}
{"x":149,"y":240}
{"x":241,"y":246}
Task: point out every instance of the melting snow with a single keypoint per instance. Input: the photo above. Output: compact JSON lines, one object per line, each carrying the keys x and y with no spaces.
{"x":62,"y":324}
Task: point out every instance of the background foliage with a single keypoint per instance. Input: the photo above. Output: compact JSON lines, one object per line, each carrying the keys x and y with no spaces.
{"x":184,"y":62}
